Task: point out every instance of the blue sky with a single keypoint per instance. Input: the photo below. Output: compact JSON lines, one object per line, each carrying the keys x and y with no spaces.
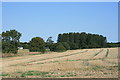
{"x":45,"y":19}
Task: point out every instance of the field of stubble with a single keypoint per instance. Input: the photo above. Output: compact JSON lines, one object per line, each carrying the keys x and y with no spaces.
{"x":82,"y":63}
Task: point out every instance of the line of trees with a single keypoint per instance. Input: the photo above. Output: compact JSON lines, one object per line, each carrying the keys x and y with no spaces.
{"x":59,"y":47}
{"x":83,"y":40}
{"x":25,"y":45}
{"x":117,"y":44}
{"x":66,"y":41}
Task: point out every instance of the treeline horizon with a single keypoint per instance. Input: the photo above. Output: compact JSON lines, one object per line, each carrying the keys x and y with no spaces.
{"x":108,"y":44}
{"x":83,"y":40}
{"x":66,"y":41}
{"x":111,"y":42}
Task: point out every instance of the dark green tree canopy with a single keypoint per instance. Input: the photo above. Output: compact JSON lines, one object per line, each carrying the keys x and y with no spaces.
{"x":66,"y":45}
{"x":10,"y":41}
{"x":117,"y":44}
{"x":49,"y":42}
{"x":83,"y":40}
{"x":59,"y":47}
{"x":25,"y":45}
{"x":37,"y":44}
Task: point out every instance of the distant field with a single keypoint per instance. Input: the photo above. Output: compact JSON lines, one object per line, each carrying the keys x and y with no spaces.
{"x":82,"y":63}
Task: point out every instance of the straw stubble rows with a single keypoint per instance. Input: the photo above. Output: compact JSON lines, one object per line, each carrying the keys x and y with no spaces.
{"x":82,"y":63}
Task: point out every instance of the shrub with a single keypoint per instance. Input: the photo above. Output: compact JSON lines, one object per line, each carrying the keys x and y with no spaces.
{"x":66,"y":45}
{"x":73,"y":46}
{"x":25,"y":45}
{"x":52,"y":47}
{"x":37,"y":44}
{"x":59,"y":47}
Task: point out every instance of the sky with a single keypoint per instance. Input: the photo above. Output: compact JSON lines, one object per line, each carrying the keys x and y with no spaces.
{"x":0,"y":17}
{"x":45,"y":19}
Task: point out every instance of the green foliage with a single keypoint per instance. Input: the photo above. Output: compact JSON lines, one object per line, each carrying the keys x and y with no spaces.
{"x":37,"y":44}
{"x":59,"y":47}
{"x":83,"y":40}
{"x":25,"y":45}
{"x":10,"y":41}
{"x":113,"y":44}
{"x":49,"y":42}
{"x":66,"y":45}
{"x":73,"y":46}
{"x":52,"y":47}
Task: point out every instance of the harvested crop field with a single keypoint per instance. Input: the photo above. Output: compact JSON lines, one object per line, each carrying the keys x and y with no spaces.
{"x":82,"y":63}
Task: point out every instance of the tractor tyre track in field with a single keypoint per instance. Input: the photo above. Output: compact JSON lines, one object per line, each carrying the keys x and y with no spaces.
{"x":84,"y":60}
{"x":104,"y":59}
{"x":98,"y":52}
{"x":92,"y":63}
{"x":29,"y":63}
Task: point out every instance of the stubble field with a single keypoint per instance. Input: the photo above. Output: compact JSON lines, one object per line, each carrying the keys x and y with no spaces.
{"x":82,"y":63}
